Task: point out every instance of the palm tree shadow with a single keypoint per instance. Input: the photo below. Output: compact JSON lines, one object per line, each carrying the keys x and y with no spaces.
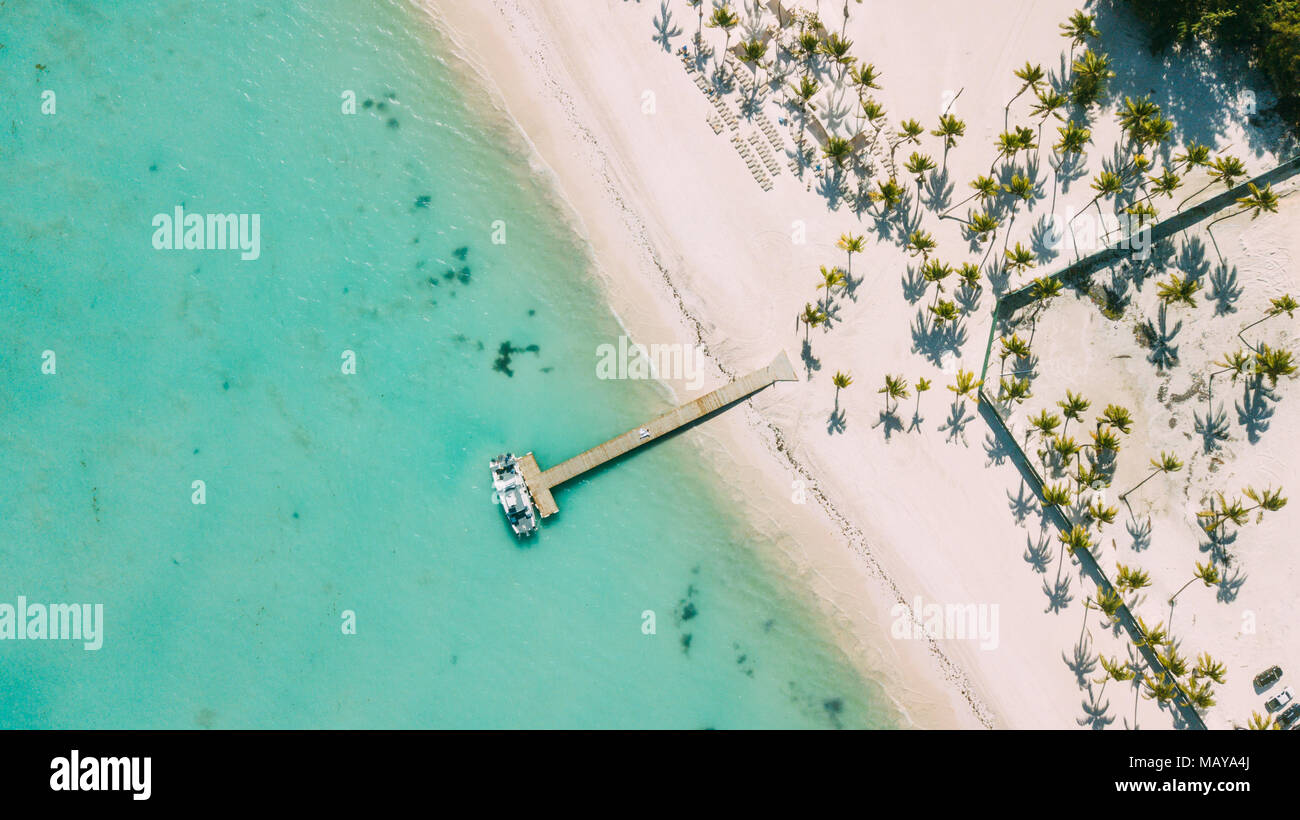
{"x":1254,"y":410}
{"x":1224,"y":290}
{"x":837,"y":422}
{"x":1217,"y":545}
{"x":1058,"y":592}
{"x":1140,"y":533}
{"x":933,"y":340}
{"x":1039,"y":555}
{"x":968,"y":298}
{"x":1069,"y":169}
{"x":1159,"y":337}
{"x":890,"y":421}
{"x":1192,"y":260}
{"x":1212,"y":427}
{"x":831,"y":187}
{"x":1095,"y":712}
{"x":810,"y":362}
{"x":997,"y":449}
{"x":999,"y":275}
{"x":1083,"y":663}
{"x":915,"y":424}
{"x":914,"y":284}
{"x":665,"y":29}
{"x":1046,"y":238}
{"x":1230,"y":585}
{"x":958,"y":418}
{"x":941,"y":189}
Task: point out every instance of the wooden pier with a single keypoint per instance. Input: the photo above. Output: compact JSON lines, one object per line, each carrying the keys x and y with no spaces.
{"x":541,"y":482}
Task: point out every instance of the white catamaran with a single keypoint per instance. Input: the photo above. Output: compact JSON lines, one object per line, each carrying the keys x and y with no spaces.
{"x":512,"y":494}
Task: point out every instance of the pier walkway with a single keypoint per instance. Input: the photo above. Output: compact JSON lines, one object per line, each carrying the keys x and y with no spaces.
{"x":541,"y":482}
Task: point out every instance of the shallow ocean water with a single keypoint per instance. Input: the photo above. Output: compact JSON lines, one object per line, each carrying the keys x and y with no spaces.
{"x":329,"y":492}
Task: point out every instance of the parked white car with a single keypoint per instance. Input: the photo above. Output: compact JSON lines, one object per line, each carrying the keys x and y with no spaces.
{"x":1279,"y":700}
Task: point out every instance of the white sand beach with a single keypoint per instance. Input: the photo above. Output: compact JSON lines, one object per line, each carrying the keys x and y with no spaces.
{"x":692,"y":249}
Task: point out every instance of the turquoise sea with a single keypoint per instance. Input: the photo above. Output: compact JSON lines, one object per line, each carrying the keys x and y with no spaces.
{"x":329,"y":492}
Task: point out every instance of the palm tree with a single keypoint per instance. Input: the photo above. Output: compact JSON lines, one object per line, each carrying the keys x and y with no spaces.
{"x":950,"y":128}
{"x":851,"y":244}
{"x":752,"y":53}
{"x":917,"y":165}
{"x":804,"y":92}
{"x":1113,"y":670}
{"x":1045,"y":423}
{"x":875,"y":114}
{"x":840,"y":380}
{"x":966,"y":385}
{"x":1131,"y":579}
{"x":1208,"y":667}
{"x":908,"y":131}
{"x":1107,"y":184}
{"x":922,"y":385}
{"x":1021,"y":189}
{"x":889,"y":193}
{"x":698,"y":5}
{"x":1019,"y":258}
{"x":1258,"y":721}
{"x":864,"y":77}
{"x":1282,"y":304}
{"x":1179,"y":289}
{"x":1205,"y":573}
{"x":812,"y":316}
{"x":945,"y":311}
{"x":837,"y":149}
{"x":1258,"y":201}
{"x":1117,"y":417}
{"x":1225,"y":169}
{"x":920,"y":242}
{"x":1168,"y":463}
{"x":1013,"y":346}
{"x":1073,"y":408}
{"x":1091,"y":73}
{"x":1165,"y":184}
{"x":1266,"y":500}
{"x":1273,"y":363}
{"x":837,"y":48}
{"x":1079,"y":28}
{"x":1194,"y":155}
{"x":725,"y":19}
{"x":1031,"y":76}
{"x":1098,"y":511}
{"x":934,"y":272}
{"x":981,"y":225}
{"x":969,"y":273}
{"x":986,"y":187}
{"x":831,"y":279}
{"x":1016,"y":390}
{"x":1056,"y":495}
{"x":1076,"y":538}
{"x":895,"y":388}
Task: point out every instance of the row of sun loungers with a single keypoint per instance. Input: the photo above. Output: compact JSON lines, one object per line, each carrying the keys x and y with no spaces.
{"x":755,"y":166}
{"x":765,"y":154}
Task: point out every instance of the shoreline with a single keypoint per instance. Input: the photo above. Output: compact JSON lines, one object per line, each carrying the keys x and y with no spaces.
{"x":739,"y":442}
{"x":688,"y":245}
